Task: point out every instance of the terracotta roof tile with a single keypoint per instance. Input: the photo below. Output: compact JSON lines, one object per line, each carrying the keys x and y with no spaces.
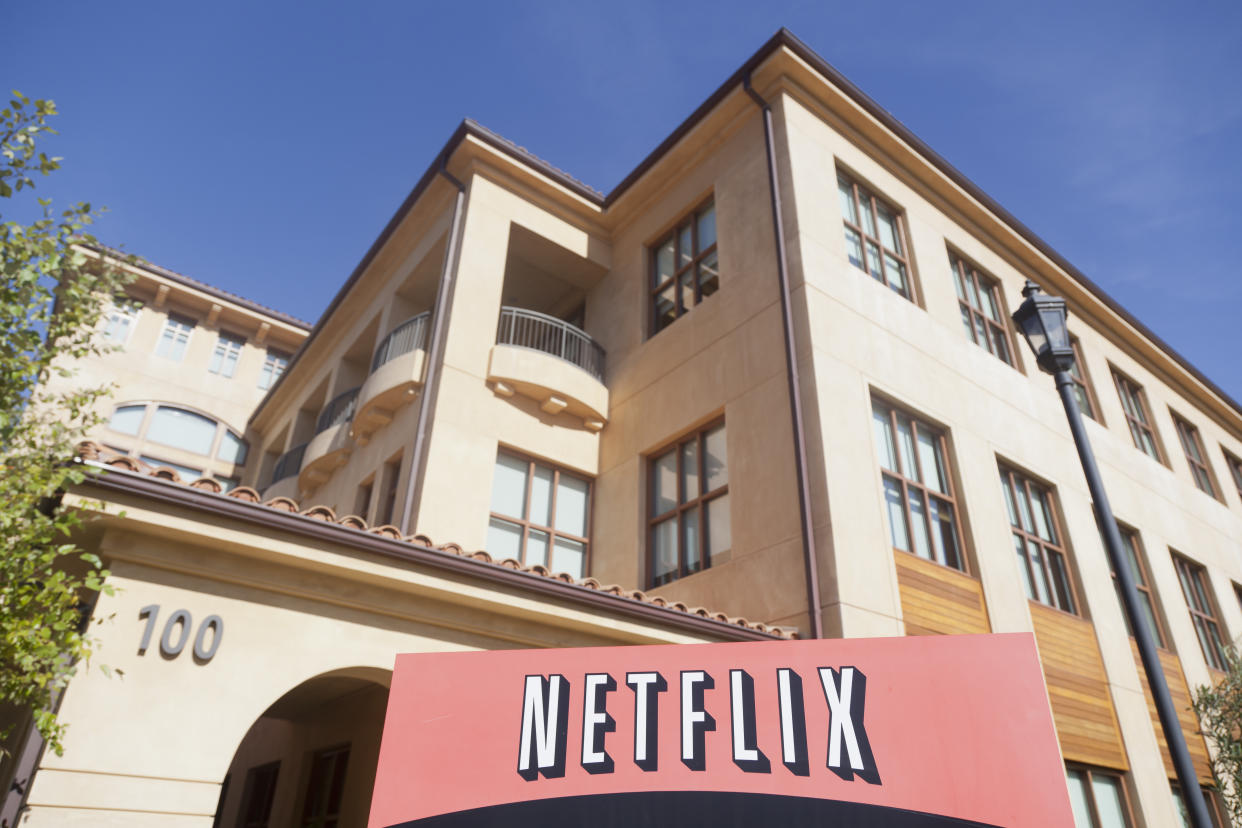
{"x":96,"y":453}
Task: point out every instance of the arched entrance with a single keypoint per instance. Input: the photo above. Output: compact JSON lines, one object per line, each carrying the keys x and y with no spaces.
{"x":309,"y":760}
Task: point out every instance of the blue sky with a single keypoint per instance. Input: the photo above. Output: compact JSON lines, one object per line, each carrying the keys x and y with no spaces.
{"x":262,"y":146}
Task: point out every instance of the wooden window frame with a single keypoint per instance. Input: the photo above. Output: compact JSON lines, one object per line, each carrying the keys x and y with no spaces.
{"x":907,"y":483}
{"x":1081,"y":376}
{"x":697,"y":504}
{"x":1202,"y":618}
{"x":1192,"y":443}
{"x":969,"y":276}
{"x":1143,"y":584}
{"x":552,"y":533}
{"x":1060,"y":547}
{"x":1210,"y":799}
{"x":697,"y":258}
{"x":1143,"y":423}
{"x":1120,"y":776}
{"x":1235,"y":469}
{"x":858,"y":190}
{"x":248,"y":792}
{"x":306,"y":820}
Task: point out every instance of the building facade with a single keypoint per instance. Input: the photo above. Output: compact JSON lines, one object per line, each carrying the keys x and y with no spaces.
{"x":830,"y":429}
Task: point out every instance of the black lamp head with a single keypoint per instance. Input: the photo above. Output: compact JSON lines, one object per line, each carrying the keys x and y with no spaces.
{"x":1041,"y":319}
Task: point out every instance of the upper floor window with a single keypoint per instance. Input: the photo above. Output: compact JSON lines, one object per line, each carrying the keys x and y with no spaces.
{"x":688,"y":517}
{"x":1195,"y":586}
{"x":274,"y":365}
{"x":178,"y":428}
{"x":1082,"y":386}
{"x":978,"y":299}
{"x":684,"y":267}
{"x":1142,"y":582}
{"x":174,"y":338}
{"x":874,"y":236}
{"x":120,"y":323}
{"x":918,"y":487}
{"x":1037,"y":539}
{"x":540,"y":515}
{"x":1098,"y":797}
{"x":1235,"y":470}
{"x":1134,"y":402}
{"x":224,"y":357}
{"x":1196,"y":457}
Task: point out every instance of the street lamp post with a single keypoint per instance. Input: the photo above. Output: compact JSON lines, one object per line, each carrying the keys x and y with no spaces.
{"x":1041,"y":318}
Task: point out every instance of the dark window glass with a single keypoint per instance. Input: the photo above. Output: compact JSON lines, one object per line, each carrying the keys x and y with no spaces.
{"x":258,"y":795}
{"x":322,"y":808}
{"x":684,"y":267}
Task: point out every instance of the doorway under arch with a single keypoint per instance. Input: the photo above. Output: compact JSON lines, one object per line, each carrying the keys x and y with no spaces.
{"x":309,"y":759}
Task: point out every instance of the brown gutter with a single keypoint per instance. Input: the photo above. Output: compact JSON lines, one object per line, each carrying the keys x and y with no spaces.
{"x":809,"y":555}
{"x":431,"y":381}
{"x":319,"y":531}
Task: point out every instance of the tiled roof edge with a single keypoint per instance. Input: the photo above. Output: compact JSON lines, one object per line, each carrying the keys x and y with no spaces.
{"x":130,"y":474}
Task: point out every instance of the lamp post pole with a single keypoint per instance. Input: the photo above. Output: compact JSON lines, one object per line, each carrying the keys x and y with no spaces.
{"x":1037,"y":320}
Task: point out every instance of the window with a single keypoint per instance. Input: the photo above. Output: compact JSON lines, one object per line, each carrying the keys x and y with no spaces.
{"x":322,"y":808}
{"x":918,"y":489}
{"x":1036,"y":539}
{"x":362,"y":500}
{"x":1147,"y":599}
{"x":688,"y":521}
{"x":1195,"y":586}
{"x":388,"y":496}
{"x":186,"y":472}
{"x":176,"y":334}
{"x":1098,"y":798}
{"x":127,"y":419}
{"x":1209,"y":799}
{"x":684,"y":268}
{"x":120,"y":322}
{"x":258,"y":795}
{"x":873,"y":226}
{"x":1082,"y":387}
{"x":1135,"y":406}
{"x":224,"y":357}
{"x":179,"y":428}
{"x":182,"y":429}
{"x":232,"y":448}
{"x":274,"y":365}
{"x":540,"y":515}
{"x":1235,"y":470}
{"x":979,"y":300}
{"x":1196,"y":457}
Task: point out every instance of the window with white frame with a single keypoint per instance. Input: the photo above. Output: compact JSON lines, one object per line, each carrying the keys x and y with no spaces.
{"x":120,"y":322}
{"x":175,"y":337}
{"x":224,"y":358}
{"x":274,"y":365}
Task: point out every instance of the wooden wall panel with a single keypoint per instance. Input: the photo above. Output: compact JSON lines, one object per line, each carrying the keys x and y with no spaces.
{"x":939,"y":600}
{"x":1082,"y":705}
{"x":1180,"y":692}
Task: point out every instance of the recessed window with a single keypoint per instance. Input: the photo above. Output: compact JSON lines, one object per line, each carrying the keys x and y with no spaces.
{"x":1098,"y":797}
{"x":127,"y":419}
{"x":120,"y":322}
{"x":874,"y":236}
{"x":173,"y":340}
{"x":1083,"y":392}
{"x":918,"y":486}
{"x":983,"y":316}
{"x":182,"y":429}
{"x":1235,"y":470}
{"x":1037,"y":540}
{"x":232,"y":448}
{"x":154,"y":425}
{"x":1134,"y":402}
{"x":224,"y":357}
{"x":1202,"y":607}
{"x":1196,"y":457}
{"x":258,"y":795}
{"x":540,"y":515}
{"x":688,"y":517}
{"x":325,"y":788}
{"x":1142,"y":581}
{"x":684,"y":267}
{"x":274,"y":364}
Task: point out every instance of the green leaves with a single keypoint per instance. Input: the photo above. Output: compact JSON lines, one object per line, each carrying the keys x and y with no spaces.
{"x":1219,"y":708}
{"x":52,"y":297}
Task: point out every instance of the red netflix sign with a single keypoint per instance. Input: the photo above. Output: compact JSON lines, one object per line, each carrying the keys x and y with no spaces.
{"x":900,"y":732}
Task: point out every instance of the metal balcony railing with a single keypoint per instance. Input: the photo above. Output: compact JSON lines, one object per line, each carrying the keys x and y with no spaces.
{"x":340,"y":410}
{"x":530,"y":329}
{"x":289,"y":464}
{"x":410,"y":335}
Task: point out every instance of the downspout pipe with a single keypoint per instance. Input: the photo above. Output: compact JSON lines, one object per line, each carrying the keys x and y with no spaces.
{"x":431,"y":382}
{"x":791,"y":372}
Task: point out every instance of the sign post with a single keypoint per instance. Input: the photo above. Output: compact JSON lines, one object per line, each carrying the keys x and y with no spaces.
{"x":901,"y":732}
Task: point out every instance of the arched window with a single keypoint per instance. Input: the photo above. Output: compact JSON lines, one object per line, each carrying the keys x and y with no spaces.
{"x":179,"y":428}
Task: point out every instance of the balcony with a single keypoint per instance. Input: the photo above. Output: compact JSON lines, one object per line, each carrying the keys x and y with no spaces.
{"x":331,"y":445}
{"x":550,"y":361}
{"x":396,"y":376}
{"x":284,"y":475}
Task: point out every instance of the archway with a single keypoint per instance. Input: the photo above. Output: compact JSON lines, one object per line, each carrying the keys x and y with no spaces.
{"x":309,"y":759}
